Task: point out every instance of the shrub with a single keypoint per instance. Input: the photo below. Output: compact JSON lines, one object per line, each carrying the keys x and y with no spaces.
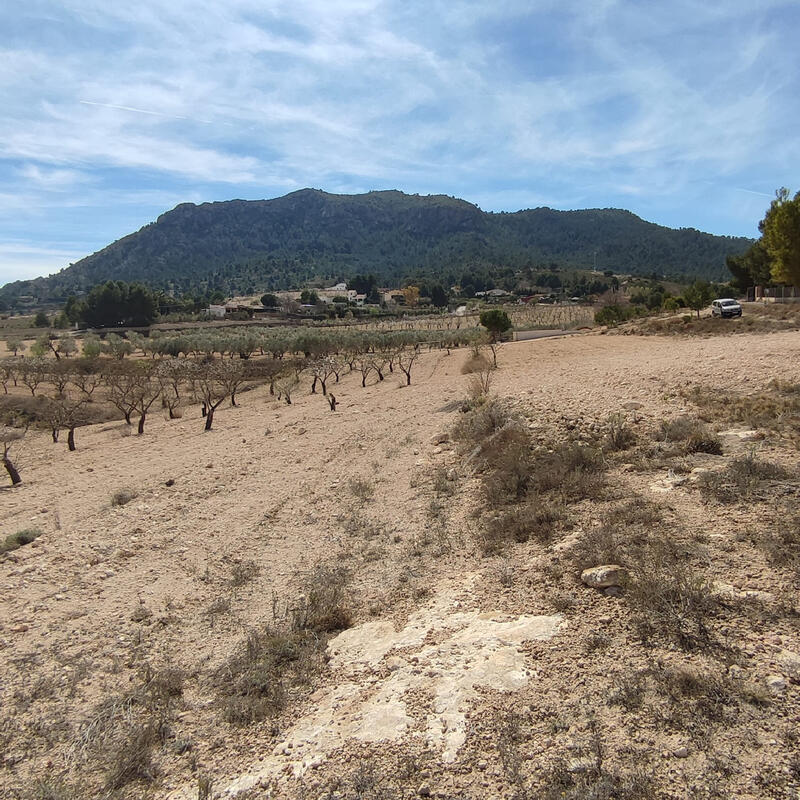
{"x":693,"y":435}
{"x":669,"y":599}
{"x":123,"y":496}
{"x":16,"y":540}
{"x":742,"y":479}
{"x":620,"y":435}
{"x":252,"y":683}
{"x":531,"y":520}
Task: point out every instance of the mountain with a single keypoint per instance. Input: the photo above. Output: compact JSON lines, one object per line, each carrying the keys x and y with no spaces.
{"x":284,"y":242}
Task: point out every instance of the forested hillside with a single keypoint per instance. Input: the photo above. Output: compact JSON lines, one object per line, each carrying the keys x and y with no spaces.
{"x":261,"y":245}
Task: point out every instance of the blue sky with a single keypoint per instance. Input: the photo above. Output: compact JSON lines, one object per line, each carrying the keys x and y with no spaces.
{"x":687,"y":113}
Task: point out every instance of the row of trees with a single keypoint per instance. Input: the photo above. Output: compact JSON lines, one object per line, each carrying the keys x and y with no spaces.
{"x":64,"y":390}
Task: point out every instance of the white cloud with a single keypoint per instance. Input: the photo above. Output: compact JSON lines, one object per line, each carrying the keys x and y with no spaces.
{"x":583,"y":102}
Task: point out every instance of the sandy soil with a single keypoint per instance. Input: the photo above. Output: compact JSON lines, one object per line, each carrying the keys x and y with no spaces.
{"x":106,"y":591}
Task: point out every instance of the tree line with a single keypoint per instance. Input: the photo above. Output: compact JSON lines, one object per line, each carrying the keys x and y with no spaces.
{"x":775,"y":257}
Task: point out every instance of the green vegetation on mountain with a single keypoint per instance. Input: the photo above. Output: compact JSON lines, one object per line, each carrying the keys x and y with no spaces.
{"x":266,"y":245}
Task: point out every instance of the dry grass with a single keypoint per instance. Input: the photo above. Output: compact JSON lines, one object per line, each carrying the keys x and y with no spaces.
{"x":780,"y":541}
{"x":777,"y":407}
{"x":520,"y":523}
{"x":746,"y":478}
{"x":691,"y":434}
{"x":258,"y":679}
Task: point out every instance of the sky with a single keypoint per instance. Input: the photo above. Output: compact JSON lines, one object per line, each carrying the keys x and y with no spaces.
{"x":686,"y":113}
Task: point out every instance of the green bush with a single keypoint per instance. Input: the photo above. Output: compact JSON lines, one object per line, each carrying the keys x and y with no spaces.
{"x":16,"y":540}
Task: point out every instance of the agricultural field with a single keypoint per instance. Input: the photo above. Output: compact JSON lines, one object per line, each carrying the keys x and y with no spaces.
{"x":393,"y":570}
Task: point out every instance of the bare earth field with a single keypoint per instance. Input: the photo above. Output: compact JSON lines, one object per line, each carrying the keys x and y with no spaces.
{"x":467,"y":667}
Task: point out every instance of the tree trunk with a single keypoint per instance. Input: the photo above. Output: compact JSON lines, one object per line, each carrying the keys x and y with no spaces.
{"x":233,"y":397}
{"x":314,"y":385}
{"x":209,"y":418}
{"x":127,"y":417}
{"x":12,"y":471}
{"x":332,"y":401}
{"x":141,"y":423}
{"x":324,"y":387}
{"x":204,"y":410}
{"x":71,"y":439}
{"x":363,"y":380}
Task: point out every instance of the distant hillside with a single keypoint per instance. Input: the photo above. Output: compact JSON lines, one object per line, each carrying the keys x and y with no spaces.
{"x":282,"y":243}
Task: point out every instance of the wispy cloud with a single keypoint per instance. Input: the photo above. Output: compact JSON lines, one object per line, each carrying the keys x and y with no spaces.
{"x":509,"y":104}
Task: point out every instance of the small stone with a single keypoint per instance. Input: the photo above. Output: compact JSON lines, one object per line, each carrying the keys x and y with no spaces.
{"x":440,"y":438}
{"x":452,"y":474}
{"x":632,"y":405}
{"x":169,"y":482}
{"x":790,"y":662}
{"x":735,"y":672}
{"x":424,"y":790}
{"x":776,"y":683}
{"x":681,"y":752}
{"x":602,"y":576}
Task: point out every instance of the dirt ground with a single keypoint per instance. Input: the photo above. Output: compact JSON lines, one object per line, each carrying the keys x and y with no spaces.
{"x":226,"y":526}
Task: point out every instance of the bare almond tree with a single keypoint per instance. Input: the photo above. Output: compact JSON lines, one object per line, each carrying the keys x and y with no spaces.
{"x":210,"y":386}
{"x":7,"y":438}
{"x":405,"y":360}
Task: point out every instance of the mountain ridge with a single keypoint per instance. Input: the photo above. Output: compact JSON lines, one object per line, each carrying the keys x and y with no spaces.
{"x":310,"y":234}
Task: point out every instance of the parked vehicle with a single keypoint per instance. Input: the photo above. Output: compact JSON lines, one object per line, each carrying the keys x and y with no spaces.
{"x":726,"y":307}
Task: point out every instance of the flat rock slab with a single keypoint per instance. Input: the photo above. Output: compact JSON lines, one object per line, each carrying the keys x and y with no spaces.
{"x":379,"y":666}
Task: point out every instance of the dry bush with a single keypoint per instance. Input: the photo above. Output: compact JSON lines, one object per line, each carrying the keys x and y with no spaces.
{"x":744,"y":478}
{"x":131,"y":759}
{"x":775,"y":408}
{"x":478,"y":361}
{"x":242,"y":572}
{"x":531,"y":520}
{"x":256,"y":681}
{"x":253,"y":683}
{"x":478,"y":425}
{"x":571,"y":470}
{"x":619,"y":435}
{"x":123,"y":496}
{"x":363,"y":490}
{"x":698,"y":698}
{"x":16,"y":540}
{"x":669,"y":598}
{"x":324,"y":606}
{"x":692,"y":435}
{"x":781,"y":542}
{"x":622,"y":530}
